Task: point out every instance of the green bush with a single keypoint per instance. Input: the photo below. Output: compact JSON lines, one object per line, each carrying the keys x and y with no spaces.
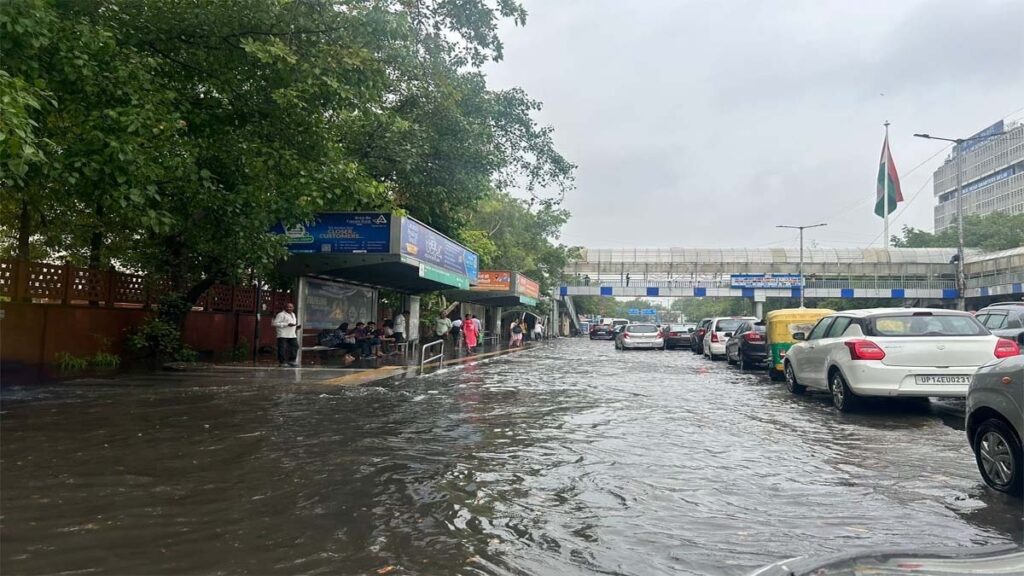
{"x":69,"y":362}
{"x":160,"y":335}
{"x":105,"y":360}
{"x":242,"y":351}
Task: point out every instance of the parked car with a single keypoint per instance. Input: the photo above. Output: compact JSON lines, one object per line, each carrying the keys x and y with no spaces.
{"x":781,"y":325}
{"x":995,"y":423}
{"x":635,"y":336}
{"x":601,"y":332}
{"x":714,"y":338}
{"x":677,"y":335}
{"x":1004,"y":319}
{"x":746,"y":346}
{"x":697,"y":341}
{"x":905,"y":352}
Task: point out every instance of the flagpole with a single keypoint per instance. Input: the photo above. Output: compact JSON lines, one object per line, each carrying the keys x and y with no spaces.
{"x":885,"y":189}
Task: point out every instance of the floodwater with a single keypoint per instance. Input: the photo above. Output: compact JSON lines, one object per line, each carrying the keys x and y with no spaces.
{"x":568,"y":459}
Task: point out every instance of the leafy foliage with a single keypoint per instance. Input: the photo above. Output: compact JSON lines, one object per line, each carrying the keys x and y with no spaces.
{"x":514,"y":234}
{"x":167,"y":137}
{"x":996,"y":231}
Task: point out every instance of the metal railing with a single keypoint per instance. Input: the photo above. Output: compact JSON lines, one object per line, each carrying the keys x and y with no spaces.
{"x":880,"y":283}
{"x":424,"y":360}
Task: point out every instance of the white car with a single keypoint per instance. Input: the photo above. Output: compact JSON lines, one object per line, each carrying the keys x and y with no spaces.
{"x":635,"y":336}
{"x":719,"y":331}
{"x":914,"y":352}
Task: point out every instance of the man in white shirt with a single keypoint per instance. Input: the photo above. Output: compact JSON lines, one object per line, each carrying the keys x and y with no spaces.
{"x":479,"y":325}
{"x":442,"y":325}
{"x":538,"y":331}
{"x":401,"y":322}
{"x":287,"y":327}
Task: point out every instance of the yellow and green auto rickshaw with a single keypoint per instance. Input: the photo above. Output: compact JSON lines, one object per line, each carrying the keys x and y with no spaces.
{"x":780,"y":325}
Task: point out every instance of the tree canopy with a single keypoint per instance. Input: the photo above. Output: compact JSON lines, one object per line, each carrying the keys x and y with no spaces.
{"x":992,"y":232}
{"x":167,"y":137}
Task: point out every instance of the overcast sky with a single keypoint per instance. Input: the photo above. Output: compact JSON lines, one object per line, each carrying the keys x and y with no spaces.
{"x":706,"y":123}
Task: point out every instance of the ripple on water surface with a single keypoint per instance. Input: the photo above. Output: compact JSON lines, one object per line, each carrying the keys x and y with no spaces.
{"x":571,"y":458}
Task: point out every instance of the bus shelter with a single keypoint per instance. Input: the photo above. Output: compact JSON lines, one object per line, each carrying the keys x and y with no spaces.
{"x":497,"y":290}
{"x":342,"y":259}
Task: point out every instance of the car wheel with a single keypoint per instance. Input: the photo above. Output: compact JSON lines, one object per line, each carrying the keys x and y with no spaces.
{"x":774,"y":375}
{"x":842,"y":397}
{"x":791,"y":384}
{"x":998,"y":454}
{"x":743,"y":363}
{"x":728,"y":358}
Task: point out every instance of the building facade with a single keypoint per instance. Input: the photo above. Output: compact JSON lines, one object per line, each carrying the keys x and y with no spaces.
{"x":992,"y":174}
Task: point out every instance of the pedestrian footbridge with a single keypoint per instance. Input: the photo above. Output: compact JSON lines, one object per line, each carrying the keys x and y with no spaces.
{"x":901,"y":273}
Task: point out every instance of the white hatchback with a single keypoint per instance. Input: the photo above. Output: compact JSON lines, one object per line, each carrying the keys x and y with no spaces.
{"x":719,"y":331}
{"x":916,"y":352}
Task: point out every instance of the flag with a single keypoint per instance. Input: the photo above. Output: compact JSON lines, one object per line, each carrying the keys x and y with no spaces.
{"x":888,"y":181}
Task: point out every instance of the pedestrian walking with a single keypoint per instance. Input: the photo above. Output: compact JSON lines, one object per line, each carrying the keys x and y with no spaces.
{"x":470,"y":331}
{"x":538,"y":331}
{"x":627,"y":278}
{"x":516,"y":338}
{"x":286,"y":326}
{"x":479,"y":325}
{"x":456,"y":331}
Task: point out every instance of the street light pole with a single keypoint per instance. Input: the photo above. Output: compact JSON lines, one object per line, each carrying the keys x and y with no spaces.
{"x":961,"y":276}
{"x":801,"y":265}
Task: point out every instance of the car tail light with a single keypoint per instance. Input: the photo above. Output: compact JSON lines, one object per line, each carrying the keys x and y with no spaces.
{"x":660,"y":334}
{"x":864,"y":350}
{"x":714,"y":336}
{"x":673,"y":333}
{"x":753,"y":337}
{"x":1006,"y":348}
{"x":625,"y":335}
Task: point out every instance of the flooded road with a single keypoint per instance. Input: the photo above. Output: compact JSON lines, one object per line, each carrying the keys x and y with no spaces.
{"x":568,"y":459}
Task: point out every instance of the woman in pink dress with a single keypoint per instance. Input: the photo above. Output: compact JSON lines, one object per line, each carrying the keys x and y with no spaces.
{"x":470,"y":333}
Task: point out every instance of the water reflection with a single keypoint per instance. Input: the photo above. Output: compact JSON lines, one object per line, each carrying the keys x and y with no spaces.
{"x":572,"y":458}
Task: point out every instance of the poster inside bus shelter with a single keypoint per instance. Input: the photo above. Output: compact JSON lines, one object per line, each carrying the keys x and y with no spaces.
{"x":327,"y":304}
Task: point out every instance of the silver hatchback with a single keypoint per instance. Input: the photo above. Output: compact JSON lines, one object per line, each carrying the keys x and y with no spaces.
{"x":995,"y":421}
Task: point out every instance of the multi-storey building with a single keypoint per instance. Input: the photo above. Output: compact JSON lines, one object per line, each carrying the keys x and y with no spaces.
{"x":992,"y":173}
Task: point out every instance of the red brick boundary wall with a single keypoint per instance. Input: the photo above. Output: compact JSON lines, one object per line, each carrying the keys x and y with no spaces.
{"x":52,"y":308}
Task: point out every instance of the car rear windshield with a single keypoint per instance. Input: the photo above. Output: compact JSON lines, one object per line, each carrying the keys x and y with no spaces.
{"x":620,"y":322}
{"x":679,"y":328}
{"x":642,"y":329}
{"x":727,"y":325}
{"x":931,"y":325}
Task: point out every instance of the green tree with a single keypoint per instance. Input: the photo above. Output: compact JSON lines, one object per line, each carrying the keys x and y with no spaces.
{"x":523,"y":235}
{"x":996,"y":231}
{"x":168,"y":137}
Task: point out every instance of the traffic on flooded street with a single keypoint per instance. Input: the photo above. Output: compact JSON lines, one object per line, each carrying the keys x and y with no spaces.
{"x":570,"y":458}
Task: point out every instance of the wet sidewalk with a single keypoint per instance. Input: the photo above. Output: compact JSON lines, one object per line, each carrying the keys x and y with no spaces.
{"x":330,"y":366}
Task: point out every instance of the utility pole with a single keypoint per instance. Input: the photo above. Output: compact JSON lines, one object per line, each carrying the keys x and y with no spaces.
{"x":801,"y":268}
{"x":961,"y":276}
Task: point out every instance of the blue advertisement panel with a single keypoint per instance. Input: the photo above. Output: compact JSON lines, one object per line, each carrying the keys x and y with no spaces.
{"x":426,"y":245}
{"x":764,"y":280}
{"x":341,"y":233}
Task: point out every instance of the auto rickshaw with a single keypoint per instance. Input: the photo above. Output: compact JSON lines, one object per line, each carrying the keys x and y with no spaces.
{"x":780,"y":325}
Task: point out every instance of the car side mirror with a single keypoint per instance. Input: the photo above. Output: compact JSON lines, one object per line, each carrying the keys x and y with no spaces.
{"x":728,"y":334}
{"x":799,"y":336}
